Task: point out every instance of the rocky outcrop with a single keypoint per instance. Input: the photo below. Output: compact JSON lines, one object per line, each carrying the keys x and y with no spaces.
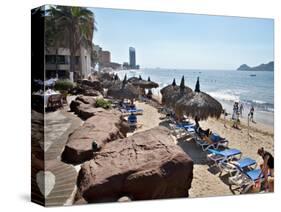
{"x":262,"y":67}
{"x":98,"y":130}
{"x":84,"y":107}
{"x":92,"y":92}
{"x":146,"y":165}
{"x":95,"y":85}
{"x":88,"y":88}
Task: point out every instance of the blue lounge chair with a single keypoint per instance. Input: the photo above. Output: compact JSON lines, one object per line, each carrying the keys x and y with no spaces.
{"x":188,"y":127}
{"x":132,"y":120}
{"x":178,"y":131}
{"x":234,"y":167}
{"x":181,"y":130}
{"x":218,"y":156}
{"x":246,"y":179}
{"x":135,"y":111}
{"x":214,"y":141}
{"x":245,"y":163}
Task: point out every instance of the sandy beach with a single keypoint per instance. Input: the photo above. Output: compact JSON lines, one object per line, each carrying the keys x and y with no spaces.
{"x":149,"y":119}
{"x":207,"y":180}
{"x":117,"y":123}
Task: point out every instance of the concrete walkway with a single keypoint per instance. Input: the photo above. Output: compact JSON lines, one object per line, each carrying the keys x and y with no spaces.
{"x":58,"y":126}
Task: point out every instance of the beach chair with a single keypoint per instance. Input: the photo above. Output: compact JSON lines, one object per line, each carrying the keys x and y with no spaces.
{"x":186,"y":125}
{"x":246,"y":180}
{"x":214,"y":141}
{"x":129,"y":111}
{"x":64,"y":97}
{"x":218,"y":156}
{"x":55,"y":101}
{"x":235,"y":167}
{"x":132,"y":121}
{"x":190,"y":129}
{"x":179,"y":131}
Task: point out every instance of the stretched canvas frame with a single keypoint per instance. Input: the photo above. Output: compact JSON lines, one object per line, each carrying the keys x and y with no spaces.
{"x":83,"y":147}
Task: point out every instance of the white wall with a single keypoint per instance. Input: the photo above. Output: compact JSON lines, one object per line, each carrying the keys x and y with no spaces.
{"x":85,"y":61}
{"x":15,"y":117}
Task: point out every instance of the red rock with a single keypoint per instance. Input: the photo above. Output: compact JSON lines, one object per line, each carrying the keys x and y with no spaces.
{"x":95,"y":84}
{"x":84,"y":107}
{"x":102,"y":128}
{"x":92,"y":92}
{"x":147,"y":165}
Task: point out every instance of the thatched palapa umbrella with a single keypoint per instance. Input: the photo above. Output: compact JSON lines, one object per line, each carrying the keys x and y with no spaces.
{"x":145,"y":84}
{"x":172,"y":93}
{"x":198,"y":104}
{"x":123,"y":90}
{"x":169,"y":88}
{"x":133,"y":79}
{"x":108,"y":83}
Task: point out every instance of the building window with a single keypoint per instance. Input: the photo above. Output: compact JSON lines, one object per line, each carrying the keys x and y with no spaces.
{"x":59,"y":59}
{"x":50,"y":59}
{"x":77,"y":60}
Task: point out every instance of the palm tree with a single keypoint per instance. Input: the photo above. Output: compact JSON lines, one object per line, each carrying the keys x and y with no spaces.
{"x":53,"y":37}
{"x":74,"y":26}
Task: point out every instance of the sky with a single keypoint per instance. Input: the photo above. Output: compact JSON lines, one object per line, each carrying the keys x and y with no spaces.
{"x":184,"y":41}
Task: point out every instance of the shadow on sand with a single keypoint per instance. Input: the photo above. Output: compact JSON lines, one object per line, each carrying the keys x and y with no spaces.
{"x":194,"y":151}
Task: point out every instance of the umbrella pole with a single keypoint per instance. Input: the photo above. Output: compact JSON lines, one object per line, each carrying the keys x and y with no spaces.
{"x":248,"y":127}
{"x":224,"y":117}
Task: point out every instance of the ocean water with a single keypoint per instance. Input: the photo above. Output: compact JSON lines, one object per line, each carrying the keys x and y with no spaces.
{"x":227,"y":86}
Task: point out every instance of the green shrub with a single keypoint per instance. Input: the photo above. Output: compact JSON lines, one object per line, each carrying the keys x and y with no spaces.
{"x":103,"y":103}
{"x":64,"y":85}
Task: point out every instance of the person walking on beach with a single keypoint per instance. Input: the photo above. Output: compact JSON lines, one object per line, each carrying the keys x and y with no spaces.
{"x":252,"y":114}
{"x":267,"y":169}
{"x":235,"y":109}
{"x":241,"y":108}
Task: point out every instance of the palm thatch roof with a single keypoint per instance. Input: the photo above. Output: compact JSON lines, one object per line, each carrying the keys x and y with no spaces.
{"x":144,"y":84}
{"x":170,"y":99}
{"x":133,"y":79}
{"x":198,"y":104}
{"x":123,"y":90}
{"x":108,"y":83}
{"x":172,"y":93}
{"x":101,"y":76}
{"x":106,"y":79}
{"x":169,"y":88}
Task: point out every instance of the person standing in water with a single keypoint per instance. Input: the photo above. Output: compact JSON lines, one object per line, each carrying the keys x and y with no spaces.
{"x":252,"y":114}
{"x":241,"y":108}
{"x":235,"y":110}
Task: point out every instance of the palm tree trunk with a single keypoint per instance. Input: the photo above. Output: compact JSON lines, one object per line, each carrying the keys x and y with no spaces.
{"x":80,"y":62}
{"x":72,"y":52}
{"x":57,"y":51}
{"x":72,"y":65}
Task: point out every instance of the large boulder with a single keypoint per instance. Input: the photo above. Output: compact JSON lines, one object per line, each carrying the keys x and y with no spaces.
{"x":87,"y":111}
{"x":86,"y":100}
{"x":92,"y":92}
{"x":88,"y":87}
{"x":95,"y":84}
{"x":84,"y":107}
{"x":146,"y":165}
{"x":98,"y":130}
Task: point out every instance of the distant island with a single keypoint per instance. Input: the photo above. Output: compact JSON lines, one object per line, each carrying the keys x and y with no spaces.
{"x":263,"y":67}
